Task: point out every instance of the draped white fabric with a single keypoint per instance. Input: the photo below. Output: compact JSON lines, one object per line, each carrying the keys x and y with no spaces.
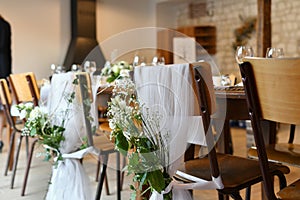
{"x":69,"y":180}
{"x":168,"y":90}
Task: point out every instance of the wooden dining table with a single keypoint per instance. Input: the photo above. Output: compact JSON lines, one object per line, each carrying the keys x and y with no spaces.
{"x":232,"y":102}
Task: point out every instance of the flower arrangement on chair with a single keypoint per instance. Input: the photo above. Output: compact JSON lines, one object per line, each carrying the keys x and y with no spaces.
{"x":39,"y":123}
{"x":137,"y":134}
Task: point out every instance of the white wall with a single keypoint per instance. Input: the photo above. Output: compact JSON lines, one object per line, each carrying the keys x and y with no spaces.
{"x":120,"y":22}
{"x":41,"y":28}
{"x":40,"y":33}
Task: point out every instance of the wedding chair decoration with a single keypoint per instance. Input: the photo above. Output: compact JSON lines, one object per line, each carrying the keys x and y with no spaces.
{"x":169,"y":91}
{"x":271,"y":87}
{"x":71,"y":101}
{"x":25,"y":90}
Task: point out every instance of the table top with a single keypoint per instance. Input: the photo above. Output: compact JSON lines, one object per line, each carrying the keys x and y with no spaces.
{"x":232,"y":92}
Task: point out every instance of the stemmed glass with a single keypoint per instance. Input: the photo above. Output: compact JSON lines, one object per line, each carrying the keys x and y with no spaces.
{"x":161,"y":60}
{"x":158,"y":60}
{"x":242,"y":52}
{"x":274,"y":52}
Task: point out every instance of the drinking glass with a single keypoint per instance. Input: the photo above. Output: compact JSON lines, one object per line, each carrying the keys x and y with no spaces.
{"x":161,"y":60}
{"x":75,"y":68}
{"x":242,"y":52}
{"x":155,"y":61}
{"x":93,"y":66}
{"x":135,"y":61}
{"x":274,"y":52}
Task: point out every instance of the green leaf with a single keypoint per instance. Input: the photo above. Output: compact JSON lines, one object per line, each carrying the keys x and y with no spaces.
{"x":121,"y":142}
{"x":110,"y":79}
{"x":156,"y":180}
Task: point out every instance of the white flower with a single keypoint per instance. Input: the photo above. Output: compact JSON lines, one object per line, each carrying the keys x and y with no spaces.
{"x":23,"y":114}
{"x":124,"y":73}
{"x":14,"y":111}
{"x":116,"y":69}
{"x":29,"y":105}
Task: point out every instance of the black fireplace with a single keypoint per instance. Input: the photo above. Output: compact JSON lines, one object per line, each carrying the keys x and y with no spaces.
{"x":84,"y":45}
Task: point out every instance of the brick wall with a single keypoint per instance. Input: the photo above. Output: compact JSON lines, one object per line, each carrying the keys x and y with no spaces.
{"x":285,"y":26}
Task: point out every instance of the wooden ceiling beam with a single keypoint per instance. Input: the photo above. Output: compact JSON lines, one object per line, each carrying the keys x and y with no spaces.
{"x":264,"y":31}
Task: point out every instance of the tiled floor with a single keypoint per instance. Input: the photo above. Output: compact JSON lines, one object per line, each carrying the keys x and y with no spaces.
{"x":41,"y":170}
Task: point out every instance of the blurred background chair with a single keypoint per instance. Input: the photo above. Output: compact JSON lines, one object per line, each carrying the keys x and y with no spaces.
{"x":271,"y":86}
{"x":24,"y":88}
{"x":236,"y":173}
{"x":6,"y":101}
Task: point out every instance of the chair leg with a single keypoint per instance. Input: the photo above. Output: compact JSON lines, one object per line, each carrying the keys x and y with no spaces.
{"x":123,"y":173}
{"x":27,"y":146}
{"x":220,"y":196}
{"x":102,"y":176}
{"x":28,"y":167}
{"x":118,"y":176}
{"x":98,"y":169}
{"x":282,"y":180}
{"x":97,"y":175}
{"x":9,"y":153}
{"x":248,"y":193}
{"x":223,"y":196}
{"x":16,"y":158}
{"x":236,"y":196}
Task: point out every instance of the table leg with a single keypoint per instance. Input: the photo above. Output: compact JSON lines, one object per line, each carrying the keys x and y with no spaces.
{"x":224,"y":143}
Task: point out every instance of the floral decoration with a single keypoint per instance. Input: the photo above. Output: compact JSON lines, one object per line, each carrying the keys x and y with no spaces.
{"x":39,"y":123}
{"x":113,"y":71}
{"x":136,"y":133}
{"x":244,"y":32}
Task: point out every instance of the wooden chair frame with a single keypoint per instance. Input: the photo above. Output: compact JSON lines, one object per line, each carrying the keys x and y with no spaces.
{"x":105,"y":148}
{"x":270,"y":86}
{"x":25,"y":89}
{"x":216,"y":164}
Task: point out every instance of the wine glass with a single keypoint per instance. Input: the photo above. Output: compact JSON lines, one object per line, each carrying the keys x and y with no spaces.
{"x":75,"y":68}
{"x":242,"y":52}
{"x":155,"y":61}
{"x":161,"y":60}
{"x":53,"y":68}
{"x":86,"y":66}
{"x":135,"y":61}
{"x":93,"y":66}
{"x":273,"y":52}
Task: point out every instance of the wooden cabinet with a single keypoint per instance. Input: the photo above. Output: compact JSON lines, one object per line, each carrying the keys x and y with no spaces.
{"x":204,"y":35}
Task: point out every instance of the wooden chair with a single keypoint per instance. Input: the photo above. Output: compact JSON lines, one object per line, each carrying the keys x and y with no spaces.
{"x":25,"y":89}
{"x":6,"y":101}
{"x":105,"y":146}
{"x":271,"y":87}
{"x":237,"y":173}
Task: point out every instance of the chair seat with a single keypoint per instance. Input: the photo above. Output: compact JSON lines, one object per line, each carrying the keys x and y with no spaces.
{"x":228,"y":166}
{"x":291,"y":192}
{"x":281,"y":152}
{"x":104,"y":144}
{"x":105,"y":127}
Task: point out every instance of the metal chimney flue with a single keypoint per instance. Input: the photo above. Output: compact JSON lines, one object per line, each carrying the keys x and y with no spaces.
{"x":83,"y":32}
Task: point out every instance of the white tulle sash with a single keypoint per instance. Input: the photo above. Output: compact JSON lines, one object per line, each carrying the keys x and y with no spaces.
{"x":180,"y":190}
{"x":69,"y":180}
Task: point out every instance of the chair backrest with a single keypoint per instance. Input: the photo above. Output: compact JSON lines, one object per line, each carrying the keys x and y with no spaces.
{"x":277,"y":82}
{"x":86,"y":96}
{"x":6,"y":101}
{"x":271,"y":87}
{"x":207,"y":103}
{"x":24,"y":87}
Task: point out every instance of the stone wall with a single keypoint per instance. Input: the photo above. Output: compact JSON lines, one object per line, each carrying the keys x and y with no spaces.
{"x":226,"y":17}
